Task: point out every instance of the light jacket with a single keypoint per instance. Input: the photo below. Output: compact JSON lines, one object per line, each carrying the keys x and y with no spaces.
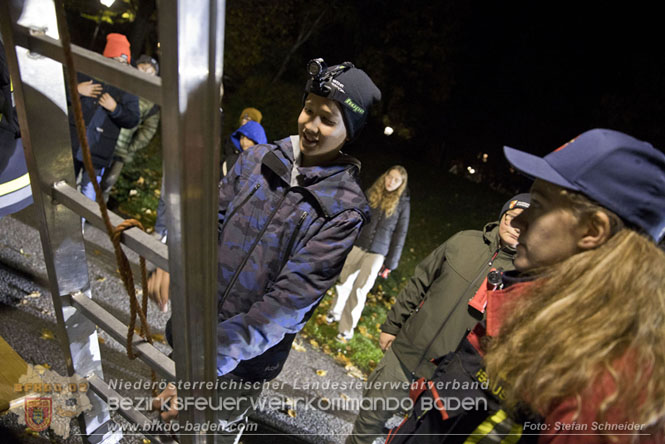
{"x":280,"y":248}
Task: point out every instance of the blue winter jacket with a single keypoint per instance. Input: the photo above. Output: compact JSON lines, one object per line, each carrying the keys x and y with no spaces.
{"x":280,"y":248}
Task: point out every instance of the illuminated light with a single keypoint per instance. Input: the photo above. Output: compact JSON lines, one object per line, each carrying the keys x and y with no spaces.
{"x":388,"y":131}
{"x":485,"y":156}
{"x":470,"y":170}
{"x":107,"y":3}
{"x":158,"y":44}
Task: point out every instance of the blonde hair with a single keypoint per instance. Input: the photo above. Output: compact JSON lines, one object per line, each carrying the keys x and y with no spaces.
{"x":386,"y":200}
{"x":597,"y":314}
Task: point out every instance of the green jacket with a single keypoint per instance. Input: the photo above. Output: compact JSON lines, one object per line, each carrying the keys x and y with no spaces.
{"x":431,"y":314}
{"x":132,"y":140}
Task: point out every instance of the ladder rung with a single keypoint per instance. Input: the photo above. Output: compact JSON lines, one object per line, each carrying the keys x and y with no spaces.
{"x":135,"y":239}
{"x":96,"y":65}
{"x":101,"y":388}
{"x":145,"y":351}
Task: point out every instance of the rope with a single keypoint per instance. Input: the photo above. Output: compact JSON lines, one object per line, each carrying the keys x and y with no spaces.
{"x":115,"y":233}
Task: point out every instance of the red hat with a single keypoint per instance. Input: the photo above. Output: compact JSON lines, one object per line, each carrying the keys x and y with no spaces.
{"x":117,"y":45}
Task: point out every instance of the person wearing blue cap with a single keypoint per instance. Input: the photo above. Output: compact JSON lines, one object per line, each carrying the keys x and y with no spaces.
{"x":572,"y":349}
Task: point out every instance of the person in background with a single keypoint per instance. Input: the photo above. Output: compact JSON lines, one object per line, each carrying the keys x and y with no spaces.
{"x":106,"y":110}
{"x":232,"y":149}
{"x":434,"y":312}
{"x":15,"y":191}
{"x":377,"y":250}
{"x":249,"y":134}
{"x":133,"y":140}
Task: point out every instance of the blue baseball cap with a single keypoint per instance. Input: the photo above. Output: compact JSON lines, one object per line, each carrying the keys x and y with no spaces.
{"x":621,"y":173}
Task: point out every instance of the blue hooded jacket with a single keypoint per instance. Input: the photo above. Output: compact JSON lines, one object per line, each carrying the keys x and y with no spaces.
{"x":252,"y":130}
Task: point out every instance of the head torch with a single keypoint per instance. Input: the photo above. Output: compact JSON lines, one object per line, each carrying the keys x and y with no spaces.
{"x":322,"y":79}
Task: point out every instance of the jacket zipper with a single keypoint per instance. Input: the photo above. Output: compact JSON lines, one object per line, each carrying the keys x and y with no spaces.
{"x":244,"y":201}
{"x":482,"y":272}
{"x":292,"y":241}
{"x":251,"y":250}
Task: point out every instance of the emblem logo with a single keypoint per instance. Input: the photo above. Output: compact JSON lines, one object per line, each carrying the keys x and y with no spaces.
{"x":38,"y":413}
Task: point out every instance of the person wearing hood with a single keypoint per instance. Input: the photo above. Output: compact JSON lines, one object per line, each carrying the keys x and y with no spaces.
{"x":289,"y":213}
{"x":249,"y":134}
{"x":433,"y":312}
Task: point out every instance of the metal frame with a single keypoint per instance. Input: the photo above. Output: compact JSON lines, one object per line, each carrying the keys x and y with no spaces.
{"x":188,"y":91}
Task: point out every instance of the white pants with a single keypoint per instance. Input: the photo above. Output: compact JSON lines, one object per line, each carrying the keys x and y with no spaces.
{"x":360,"y":270}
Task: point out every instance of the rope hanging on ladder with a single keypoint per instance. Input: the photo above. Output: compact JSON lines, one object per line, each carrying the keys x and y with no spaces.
{"x":113,"y":232}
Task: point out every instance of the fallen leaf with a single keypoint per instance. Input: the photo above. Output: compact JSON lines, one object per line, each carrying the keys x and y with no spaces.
{"x":298,"y":347}
{"x":326,"y":349}
{"x":24,"y":301}
{"x":146,"y":441}
{"x":140,"y":181}
{"x":362,"y":329}
{"x":291,"y":412}
{"x":34,"y":294}
{"x":158,"y":337}
{"x":101,"y":340}
{"x":47,"y":334}
{"x":344,"y":397}
{"x":321,"y":372}
{"x":342,"y":359}
{"x":100,"y":278}
{"x":47,"y":366}
{"x":157,"y":192}
{"x":313,"y":343}
{"x":133,"y":193}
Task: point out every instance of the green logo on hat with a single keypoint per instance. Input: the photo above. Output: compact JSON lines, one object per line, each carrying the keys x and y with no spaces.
{"x":356,"y":109}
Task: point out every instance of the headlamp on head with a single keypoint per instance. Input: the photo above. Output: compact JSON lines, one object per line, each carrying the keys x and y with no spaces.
{"x":322,"y":79}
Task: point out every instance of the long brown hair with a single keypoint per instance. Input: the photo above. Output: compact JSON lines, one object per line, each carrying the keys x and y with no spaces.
{"x":386,"y":200}
{"x":598,"y":313}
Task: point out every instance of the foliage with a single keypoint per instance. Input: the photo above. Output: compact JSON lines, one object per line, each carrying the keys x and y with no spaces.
{"x":136,"y":193}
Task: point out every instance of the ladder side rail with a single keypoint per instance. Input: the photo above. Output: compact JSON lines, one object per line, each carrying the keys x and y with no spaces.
{"x":191,"y":36}
{"x":96,"y":65}
{"x":135,"y":239}
{"x":42,"y":110}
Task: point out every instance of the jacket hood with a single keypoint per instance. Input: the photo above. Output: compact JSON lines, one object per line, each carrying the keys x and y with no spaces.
{"x":252,"y":130}
{"x":335,"y":187}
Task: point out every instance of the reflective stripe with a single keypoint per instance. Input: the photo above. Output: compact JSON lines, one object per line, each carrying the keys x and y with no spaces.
{"x":16,"y":184}
{"x":484,"y":432}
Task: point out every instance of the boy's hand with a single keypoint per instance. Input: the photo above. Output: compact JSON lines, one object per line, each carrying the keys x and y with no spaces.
{"x":168,"y":398}
{"x":107,"y":102}
{"x":158,"y":288}
{"x":89,"y":89}
{"x":385,"y":340}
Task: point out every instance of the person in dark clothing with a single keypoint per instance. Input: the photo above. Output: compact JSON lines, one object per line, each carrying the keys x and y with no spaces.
{"x":249,"y":134}
{"x":571,"y":350}
{"x":106,"y":110}
{"x":432,"y":313}
{"x":132,"y":140}
{"x":377,"y":250}
{"x":15,"y":191}
{"x":289,"y":214}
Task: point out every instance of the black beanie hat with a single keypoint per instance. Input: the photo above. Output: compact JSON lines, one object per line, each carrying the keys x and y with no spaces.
{"x":522,"y":200}
{"x":352,"y":89}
